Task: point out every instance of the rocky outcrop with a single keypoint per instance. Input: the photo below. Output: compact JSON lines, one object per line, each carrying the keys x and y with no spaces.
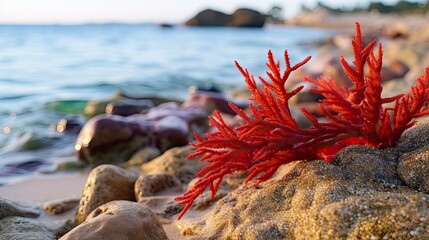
{"x":359,"y":195}
{"x":119,"y":220}
{"x":105,"y":183}
{"x":242,"y":17}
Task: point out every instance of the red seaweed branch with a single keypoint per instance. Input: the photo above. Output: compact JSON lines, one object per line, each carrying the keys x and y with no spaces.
{"x":271,"y":137}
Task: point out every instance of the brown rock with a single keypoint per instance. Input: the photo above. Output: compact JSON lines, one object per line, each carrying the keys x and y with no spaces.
{"x":148,"y":185}
{"x":360,"y":161}
{"x":413,"y":169}
{"x":60,"y":206}
{"x":163,"y":206}
{"x":114,"y":139}
{"x":242,"y":17}
{"x":105,"y":183}
{"x":318,"y":200}
{"x":173,"y":162}
{"x":119,"y":220}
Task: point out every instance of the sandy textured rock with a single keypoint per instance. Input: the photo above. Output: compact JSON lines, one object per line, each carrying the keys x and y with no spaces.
{"x":19,"y":228}
{"x":163,"y":206}
{"x":413,"y":169}
{"x":148,"y":185}
{"x":359,"y":195}
{"x":105,"y":183}
{"x":60,"y":206}
{"x":119,"y":220}
{"x":360,"y":161}
{"x":11,"y":208}
{"x":173,"y":162}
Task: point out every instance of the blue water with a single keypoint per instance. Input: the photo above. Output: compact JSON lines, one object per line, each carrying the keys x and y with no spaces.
{"x":41,"y":66}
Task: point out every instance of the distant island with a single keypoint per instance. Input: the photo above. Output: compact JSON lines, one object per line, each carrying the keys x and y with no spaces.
{"x":242,"y":17}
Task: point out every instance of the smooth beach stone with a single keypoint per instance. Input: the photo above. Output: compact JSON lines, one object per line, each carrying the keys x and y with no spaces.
{"x":19,"y":228}
{"x":105,"y":183}
{"x":114,"y":139}
{"x":149,"y":185}
{"x":119,"y":220}
{"x":173,"y":162}
{"x":413,"y":169}
{"x":110,"y":139}
{"x":11,"y":208}
{"x":127,"y":107}
{"x":315,"y":200}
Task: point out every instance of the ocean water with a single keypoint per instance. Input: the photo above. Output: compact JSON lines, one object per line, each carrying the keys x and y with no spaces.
{"x":49,"y":72}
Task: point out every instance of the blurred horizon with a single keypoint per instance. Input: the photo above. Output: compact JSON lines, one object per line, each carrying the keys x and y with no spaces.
{"x":136,"y":12}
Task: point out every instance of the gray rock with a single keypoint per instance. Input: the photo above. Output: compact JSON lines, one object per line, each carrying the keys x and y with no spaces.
{"x":119,"y":220}
{"x":11,"y":208}
{"x":105,"y":183}
{"x":19,"y":228}
{"x":413,"y":169}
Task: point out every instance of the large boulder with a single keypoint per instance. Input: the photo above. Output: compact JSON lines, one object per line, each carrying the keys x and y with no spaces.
{"x":359,"y":195}
{"x":242,"y":17}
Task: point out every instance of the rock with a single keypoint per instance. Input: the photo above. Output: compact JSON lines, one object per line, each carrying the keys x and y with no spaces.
{"x":173,"y":162}
{"x":209,"y":18}
{"x":70,"y":125}
{"x":413,"y":169}
{"x":105,"y":183}
{"x":96,"y":107}
{"x":60,"y":206}
{"x":359,"y":196}
{"x":19,"y":228}
{"x":396,"y":30}
{"x":148,"y":185}
{"x":360,"y":161}
{"x":119,"y":220}
{"x":110,"y":139}
{"x":242,"y":17}
{"x":143,"y":156}
{"x":163,"y":206}
{"x":11,"y":208}
{"x":211,"y":101}
{"x":127,"y":107}
{"x":114,"y":139}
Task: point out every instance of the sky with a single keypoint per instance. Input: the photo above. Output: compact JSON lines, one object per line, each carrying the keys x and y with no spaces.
{"x":138,"y":11}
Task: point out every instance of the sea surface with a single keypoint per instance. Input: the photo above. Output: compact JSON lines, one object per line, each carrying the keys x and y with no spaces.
{"x":48,"y":72}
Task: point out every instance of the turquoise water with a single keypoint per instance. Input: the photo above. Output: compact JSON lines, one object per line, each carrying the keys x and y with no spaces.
{"x":48,"y":72}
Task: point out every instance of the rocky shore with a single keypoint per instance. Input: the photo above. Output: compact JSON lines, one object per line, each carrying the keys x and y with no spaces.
{"x":134,"y":149}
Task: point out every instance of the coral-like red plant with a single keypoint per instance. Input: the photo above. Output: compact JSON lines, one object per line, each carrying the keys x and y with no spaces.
{"x":270,"y":136}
